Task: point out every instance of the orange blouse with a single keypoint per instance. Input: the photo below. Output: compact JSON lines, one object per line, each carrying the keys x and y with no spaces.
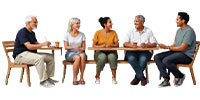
{"x":100,"y":38}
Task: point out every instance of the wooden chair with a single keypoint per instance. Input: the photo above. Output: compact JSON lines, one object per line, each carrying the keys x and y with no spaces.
{"x":9,"y":47}
{"x":190,"y":66}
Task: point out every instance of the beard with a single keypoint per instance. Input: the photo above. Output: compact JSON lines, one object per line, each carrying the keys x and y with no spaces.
{"x":33,"y":27}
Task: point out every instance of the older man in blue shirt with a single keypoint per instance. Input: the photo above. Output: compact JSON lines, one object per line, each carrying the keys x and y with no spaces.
{"x":25,"y":52}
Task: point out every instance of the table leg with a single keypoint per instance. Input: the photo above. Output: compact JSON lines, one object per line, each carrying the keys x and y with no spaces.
{"x":53,"y":52}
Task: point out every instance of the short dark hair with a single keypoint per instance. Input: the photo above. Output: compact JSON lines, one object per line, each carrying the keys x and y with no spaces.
{"x":103,"y":20}
{"x":184,"y":16}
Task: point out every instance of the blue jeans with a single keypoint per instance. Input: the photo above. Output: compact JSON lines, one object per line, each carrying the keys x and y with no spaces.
{"x":138,"y":60}
{"x":169,"y":60}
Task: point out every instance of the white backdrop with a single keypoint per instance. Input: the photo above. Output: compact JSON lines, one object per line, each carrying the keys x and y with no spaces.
{"x":53,"y":16}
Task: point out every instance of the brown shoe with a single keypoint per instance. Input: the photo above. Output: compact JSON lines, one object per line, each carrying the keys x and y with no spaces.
{"x":135,"y":81}
{"x":143,"y":81}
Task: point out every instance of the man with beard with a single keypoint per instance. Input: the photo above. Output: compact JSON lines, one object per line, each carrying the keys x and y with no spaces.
{"x":25,"y":52}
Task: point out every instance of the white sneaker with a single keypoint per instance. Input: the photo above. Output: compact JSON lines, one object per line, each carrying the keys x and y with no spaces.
{"x":97,"y":81}
{"x":47,"y":84}
{"x":52,"y":81}
{"x":114,"y":81}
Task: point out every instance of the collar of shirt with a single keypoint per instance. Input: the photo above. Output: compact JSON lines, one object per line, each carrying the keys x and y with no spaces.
{"x":143,"y":31}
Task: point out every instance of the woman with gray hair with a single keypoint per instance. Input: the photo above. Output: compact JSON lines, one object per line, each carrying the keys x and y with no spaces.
{"x":74,"y":42}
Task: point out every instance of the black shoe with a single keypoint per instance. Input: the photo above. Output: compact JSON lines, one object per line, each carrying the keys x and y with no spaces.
{"x":164,"y":84}
{"x":179,"y":81}
{"x":135,"y":81}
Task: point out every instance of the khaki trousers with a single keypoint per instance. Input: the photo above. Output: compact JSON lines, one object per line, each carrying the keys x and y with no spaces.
{"x":38,"y":60}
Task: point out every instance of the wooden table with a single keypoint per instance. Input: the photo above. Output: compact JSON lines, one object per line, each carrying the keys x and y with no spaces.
{"x":123,"y":48}
{"x":51,"y":48}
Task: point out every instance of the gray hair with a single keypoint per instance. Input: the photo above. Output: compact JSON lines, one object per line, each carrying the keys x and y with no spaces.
{"x":141,"y":17}
{"x":71,"y":22}
{"x":29,"y":19}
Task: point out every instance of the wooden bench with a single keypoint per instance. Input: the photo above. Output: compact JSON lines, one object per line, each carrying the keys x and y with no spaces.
{"x":65,"y":63}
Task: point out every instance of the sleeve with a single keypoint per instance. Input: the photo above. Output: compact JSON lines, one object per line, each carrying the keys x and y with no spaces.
{"x":127,"y":37}
{"x":152,"y":39}
{"x":83,"y":37}
{"x":35,"y":38}
{"x":23,"y":38}
{"x":189,"y":37}
{"x":95,"y":39}
{"x":66,"y":37}
{"x":116,"y":39}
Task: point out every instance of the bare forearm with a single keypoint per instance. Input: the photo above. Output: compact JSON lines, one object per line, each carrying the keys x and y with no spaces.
{"x":176,"y":48}
{"x":128,"y":45}
{"x":35,"y":46}
{"x":150,"y":45}
{"x":99,"y":46}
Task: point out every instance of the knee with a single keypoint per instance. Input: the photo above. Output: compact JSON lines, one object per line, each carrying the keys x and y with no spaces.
{"x":131,"y":59}
{"x":156,"y":57}
{"x":39,"y":59}
{"x":144,"y":59}
{"x":112,"y":57}
{"x":166,"y":61}
{"x":83,"y":56}
{"x":102,"y":58}
{"x":77,"y":58}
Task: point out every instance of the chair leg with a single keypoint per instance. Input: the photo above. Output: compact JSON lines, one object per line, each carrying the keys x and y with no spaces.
{"x":7,"y":76}
{"x":22,"y":73}
{"x":28,"y":76}
{"x":64,"y":72}
{"x":192,"y":74}
{"x":147,"y":74}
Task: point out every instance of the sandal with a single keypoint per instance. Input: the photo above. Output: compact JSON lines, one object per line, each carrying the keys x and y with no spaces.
{"x":82,"y":82}
{"x":75,"y":82}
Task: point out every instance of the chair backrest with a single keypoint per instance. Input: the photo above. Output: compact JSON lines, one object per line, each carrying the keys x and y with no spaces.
{"x":8,"y":47}
{"x":196,"y":51}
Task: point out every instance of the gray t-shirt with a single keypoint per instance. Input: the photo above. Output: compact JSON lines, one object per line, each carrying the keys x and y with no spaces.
{"x":74,"y":41}
{"x":187,"y":36}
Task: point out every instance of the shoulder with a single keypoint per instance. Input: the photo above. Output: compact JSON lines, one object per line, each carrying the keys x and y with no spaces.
{"x":113,"y":32}
{"x":67,"y":34}
{"x":81,"y":33}
{"x":131,"y":31}
{"x":190,"y":29}
{"x":147,"y":29}
{"x":22,"y":31}
{"x":98,"y":31}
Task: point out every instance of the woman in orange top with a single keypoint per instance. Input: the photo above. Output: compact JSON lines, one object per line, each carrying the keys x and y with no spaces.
{"x":105,"y":38}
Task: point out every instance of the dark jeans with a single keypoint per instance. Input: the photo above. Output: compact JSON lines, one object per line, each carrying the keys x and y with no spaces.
{"x":169,"y":60}
{"x":138,"y":61}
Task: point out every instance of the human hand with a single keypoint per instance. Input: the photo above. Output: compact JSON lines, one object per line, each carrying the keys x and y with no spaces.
{"x":77,"y":47}
{"x":143,"y":45}
{"x":109,"y":45}
{"x":46,"y":43}
{"x":135,"y":45}
{"x":162,"y":46}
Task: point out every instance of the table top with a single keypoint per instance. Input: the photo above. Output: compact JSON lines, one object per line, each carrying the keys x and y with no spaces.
{"x":50,"y":48}
{"x":123,"y":48}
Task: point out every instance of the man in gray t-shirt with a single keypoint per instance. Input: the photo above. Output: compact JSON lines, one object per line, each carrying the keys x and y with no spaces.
{"x":181,"y":52}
